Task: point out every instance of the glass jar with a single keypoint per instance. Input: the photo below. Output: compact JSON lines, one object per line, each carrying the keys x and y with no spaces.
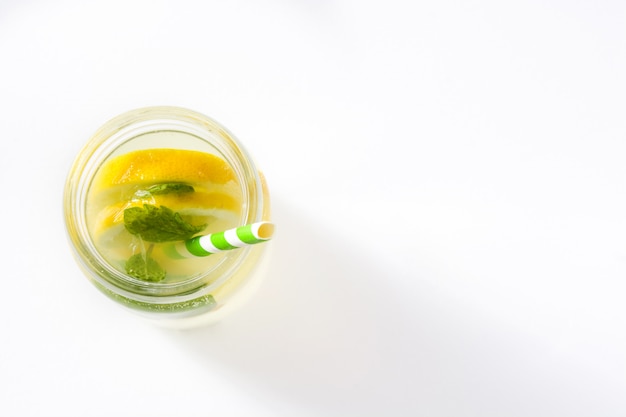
{"x":213,"y":287}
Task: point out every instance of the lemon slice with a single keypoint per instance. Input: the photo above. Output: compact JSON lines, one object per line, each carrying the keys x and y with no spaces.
{"x":163,"y":165}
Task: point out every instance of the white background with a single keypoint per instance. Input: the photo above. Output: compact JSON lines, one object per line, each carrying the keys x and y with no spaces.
{"x":448,"y":182}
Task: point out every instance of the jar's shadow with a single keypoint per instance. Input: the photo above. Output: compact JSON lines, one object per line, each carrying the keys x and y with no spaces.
{"x":323,"y":332}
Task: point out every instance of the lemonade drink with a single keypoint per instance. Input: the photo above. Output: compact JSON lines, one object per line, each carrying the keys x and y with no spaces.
{"x":152,"y":178}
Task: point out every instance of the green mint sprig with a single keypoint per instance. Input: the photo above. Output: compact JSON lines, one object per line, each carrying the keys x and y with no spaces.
{"x":158,"y":224}
{"x":169,"y":188}
{"x":144,"y":268}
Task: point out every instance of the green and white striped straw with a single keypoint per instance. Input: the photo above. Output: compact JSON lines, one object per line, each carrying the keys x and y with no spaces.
{"x":238,"y":237}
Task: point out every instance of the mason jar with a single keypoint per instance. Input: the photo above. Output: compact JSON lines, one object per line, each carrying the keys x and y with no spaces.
{"x":145,"y":160}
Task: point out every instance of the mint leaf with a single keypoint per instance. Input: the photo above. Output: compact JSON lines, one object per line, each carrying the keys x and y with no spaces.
{"x":169,"y":188}
{"x":158,"y":224}
{"x":144,"y":268}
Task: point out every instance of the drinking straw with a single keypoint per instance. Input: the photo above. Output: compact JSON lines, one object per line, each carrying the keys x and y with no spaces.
{"x":237,"y":237}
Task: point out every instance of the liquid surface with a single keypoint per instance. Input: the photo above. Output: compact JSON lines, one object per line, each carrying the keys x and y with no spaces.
{"x":199,"y":187}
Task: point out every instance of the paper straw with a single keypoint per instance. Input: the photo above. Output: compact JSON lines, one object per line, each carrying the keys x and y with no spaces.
{"x":238,"y":237}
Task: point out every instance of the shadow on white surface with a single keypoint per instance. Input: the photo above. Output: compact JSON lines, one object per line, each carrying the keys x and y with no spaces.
{"x":323,"y":333}
{"x":337,"y":330}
